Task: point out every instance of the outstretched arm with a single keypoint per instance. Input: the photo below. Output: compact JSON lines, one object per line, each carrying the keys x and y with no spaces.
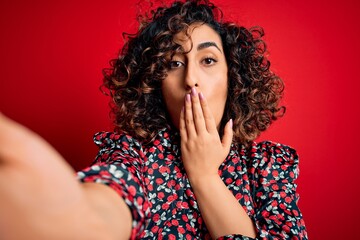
{"x":41,"y":198}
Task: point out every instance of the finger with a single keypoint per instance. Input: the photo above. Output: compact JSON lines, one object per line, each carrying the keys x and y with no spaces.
{"x":189,"y":121}
{"x":182,"y":126}
{"x":228,"y":135}
{"x":208,"y":117}
{"x":198,"y":116}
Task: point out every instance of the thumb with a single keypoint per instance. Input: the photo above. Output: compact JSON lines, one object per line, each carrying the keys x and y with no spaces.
{"x":228,"y":135}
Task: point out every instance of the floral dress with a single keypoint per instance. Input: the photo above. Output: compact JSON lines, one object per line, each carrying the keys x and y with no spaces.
{"x":152,"y":180}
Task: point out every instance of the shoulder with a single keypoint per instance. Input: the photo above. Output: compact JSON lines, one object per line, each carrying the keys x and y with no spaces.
{"x":119,"y":143}
{"x":105,"y":139}
{"x":274,"y":161}
{"x":115,"y":145}
{"x":268,"y":150}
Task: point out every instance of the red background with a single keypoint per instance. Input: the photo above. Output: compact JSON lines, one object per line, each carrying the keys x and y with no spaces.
{"x":52,"y":54}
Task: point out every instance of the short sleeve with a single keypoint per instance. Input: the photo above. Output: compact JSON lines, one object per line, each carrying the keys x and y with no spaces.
{"x":119,"y":165}
{"x":277,"y":215}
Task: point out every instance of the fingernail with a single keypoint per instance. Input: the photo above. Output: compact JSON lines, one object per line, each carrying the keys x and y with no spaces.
{"x":188,"y":97}
{"x":193,"y":91}
{"x":231,"y":123}
{"x":201,"y":96}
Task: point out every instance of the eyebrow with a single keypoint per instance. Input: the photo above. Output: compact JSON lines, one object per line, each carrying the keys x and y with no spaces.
{"x":206,"y":45}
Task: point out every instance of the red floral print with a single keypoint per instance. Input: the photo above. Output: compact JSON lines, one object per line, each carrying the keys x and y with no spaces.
{"x":153,"y":183}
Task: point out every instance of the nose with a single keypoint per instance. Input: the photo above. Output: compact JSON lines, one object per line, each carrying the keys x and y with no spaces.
{"x":191,"y":77}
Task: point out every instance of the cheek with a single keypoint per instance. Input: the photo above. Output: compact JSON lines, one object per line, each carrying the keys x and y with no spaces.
{"x":216,"y":94}
{"x":217,"y":86}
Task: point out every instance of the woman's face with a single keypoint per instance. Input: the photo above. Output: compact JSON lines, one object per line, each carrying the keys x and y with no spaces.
{"x":204,"y":67}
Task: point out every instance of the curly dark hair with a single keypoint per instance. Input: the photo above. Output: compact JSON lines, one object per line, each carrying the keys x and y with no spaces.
{"x":135,"y":77}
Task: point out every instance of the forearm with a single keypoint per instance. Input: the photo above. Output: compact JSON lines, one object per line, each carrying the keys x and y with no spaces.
{"x":23,"y":216}
{"x":222,"y":213}
{"x":110,"y":209}
{"x":81,"y":221}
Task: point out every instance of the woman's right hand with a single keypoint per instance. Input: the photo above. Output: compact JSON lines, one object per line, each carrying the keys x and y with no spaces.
{"x":40,"y":196}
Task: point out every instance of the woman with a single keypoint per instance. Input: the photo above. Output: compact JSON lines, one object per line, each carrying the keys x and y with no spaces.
{"x":190,"y":95}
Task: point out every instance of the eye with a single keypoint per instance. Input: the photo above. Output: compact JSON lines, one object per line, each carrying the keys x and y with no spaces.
{"x":175,"y":64}
{"x":209,"y":61}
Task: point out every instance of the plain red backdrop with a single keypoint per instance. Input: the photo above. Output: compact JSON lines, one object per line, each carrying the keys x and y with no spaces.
{"x":52,"y":54}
